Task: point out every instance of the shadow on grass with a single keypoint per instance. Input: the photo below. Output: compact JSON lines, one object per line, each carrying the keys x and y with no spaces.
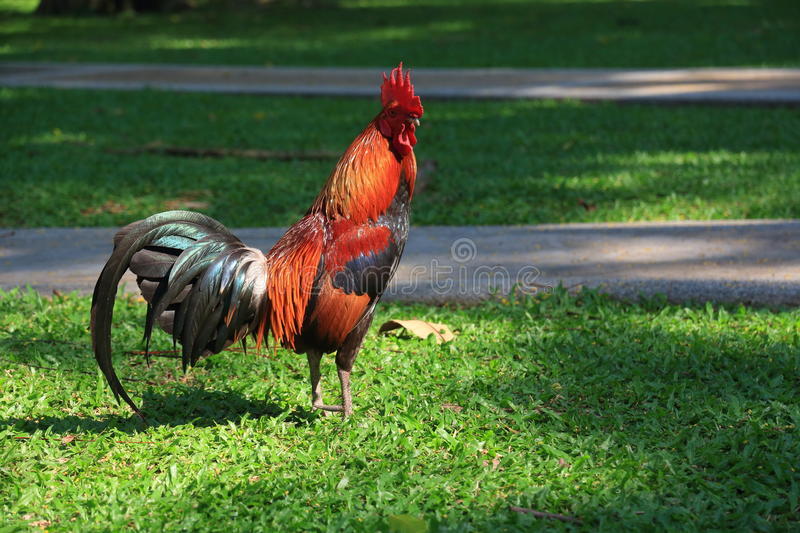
{"x":189,"y":406}
{"x":163,"y":399}
{"x":645,"y":365}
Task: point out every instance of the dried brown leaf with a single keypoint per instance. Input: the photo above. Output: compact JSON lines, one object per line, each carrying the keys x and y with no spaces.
{"x":420,"y":329}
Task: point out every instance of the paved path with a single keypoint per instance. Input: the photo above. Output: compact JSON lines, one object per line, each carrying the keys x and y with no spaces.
{"x":731,"y":261}
{"x":767,"y":86}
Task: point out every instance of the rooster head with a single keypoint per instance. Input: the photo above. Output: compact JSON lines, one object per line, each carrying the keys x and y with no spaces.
{"x":401,"y":110}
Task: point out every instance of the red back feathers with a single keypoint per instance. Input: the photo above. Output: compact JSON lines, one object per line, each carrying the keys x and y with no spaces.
{"x":399,"y":89}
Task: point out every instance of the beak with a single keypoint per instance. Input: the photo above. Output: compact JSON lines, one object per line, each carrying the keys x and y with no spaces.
{"x":415,"y":121}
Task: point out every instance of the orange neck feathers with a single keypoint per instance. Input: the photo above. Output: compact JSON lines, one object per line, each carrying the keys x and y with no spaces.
{"x":364,"y":181}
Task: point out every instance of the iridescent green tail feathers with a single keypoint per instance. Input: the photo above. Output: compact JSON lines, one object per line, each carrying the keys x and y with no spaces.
{"x":201,"y":284}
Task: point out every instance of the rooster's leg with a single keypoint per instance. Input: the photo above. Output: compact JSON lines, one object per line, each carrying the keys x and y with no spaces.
{"x":314,"y":359}
{"x":346,"y":356}
{"x":347,"y":399}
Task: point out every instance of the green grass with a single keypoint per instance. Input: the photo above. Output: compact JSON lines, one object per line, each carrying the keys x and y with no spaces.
{"x":630,"y":417}
{"x":498,"y":162}
{"x":430,"y":33}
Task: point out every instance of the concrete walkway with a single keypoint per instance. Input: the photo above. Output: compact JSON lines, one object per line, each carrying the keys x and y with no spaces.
{"x":755,"y":261}
{"x":756,"y":86}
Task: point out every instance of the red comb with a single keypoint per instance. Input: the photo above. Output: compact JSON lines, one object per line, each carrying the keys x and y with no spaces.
{"x":398,"y":88}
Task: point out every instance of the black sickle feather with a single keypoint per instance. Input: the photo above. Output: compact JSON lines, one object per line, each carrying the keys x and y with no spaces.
{"x":152,"y":264}
{"x":189,"y":265}
{"x":135,"y":238}
{"x":194,"y":310}
{"x":172,"y":253}
{"x":205,"y":328}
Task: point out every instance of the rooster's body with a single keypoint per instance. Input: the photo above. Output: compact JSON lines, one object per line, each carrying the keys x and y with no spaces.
{"x":316,"y":289}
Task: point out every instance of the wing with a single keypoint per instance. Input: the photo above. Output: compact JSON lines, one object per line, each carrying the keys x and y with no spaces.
{"x":201,"y":284}
{"x":355,"y":269}
{"x":361,"y":258}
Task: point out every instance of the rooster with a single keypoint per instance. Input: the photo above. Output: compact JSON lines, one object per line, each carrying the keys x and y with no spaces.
{"x":315,"y":291}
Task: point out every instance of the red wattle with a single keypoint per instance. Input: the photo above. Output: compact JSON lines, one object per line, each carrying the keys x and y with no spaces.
{"x":401,"y":135}
{"x":401,"y":143}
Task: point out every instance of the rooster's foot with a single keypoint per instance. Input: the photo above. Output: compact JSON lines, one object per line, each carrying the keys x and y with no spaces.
{"x":327,"y":409}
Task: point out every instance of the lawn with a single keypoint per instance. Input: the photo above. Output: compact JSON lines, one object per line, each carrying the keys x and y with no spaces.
{"x":627,"y":417}
{"x":431,"y":33}
{"x":501,"y":162}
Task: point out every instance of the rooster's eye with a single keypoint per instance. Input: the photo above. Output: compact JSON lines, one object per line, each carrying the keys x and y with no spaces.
{"x":392,"y":113}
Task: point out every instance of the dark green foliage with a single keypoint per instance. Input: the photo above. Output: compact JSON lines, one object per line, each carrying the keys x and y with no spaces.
{"x":631,"y":417}
{"x":429,"y":33}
